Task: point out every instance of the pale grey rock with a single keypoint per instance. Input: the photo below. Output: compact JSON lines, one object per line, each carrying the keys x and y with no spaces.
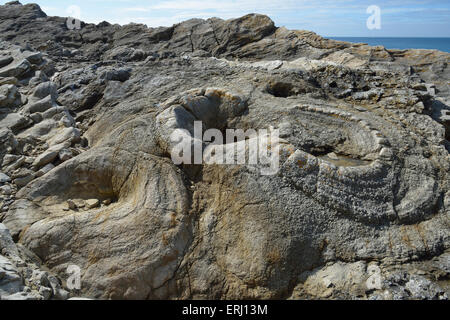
{"x":20,"y":276}
{"x":49,"y":155}
{"x":9,"y":96}
{"x":363,"y":171}
{"x":5,"y":60}
{"x":4,"y":178}
{"x":47,"y":168}
{"x":45,"y":89}
{"x":336,"y":278}
{"x":421,"y":288}
{"x":368,"y":95}
{"x":20,"y":217}
{"x":15,"y":164}
{"x":8,"y":80}
{"x":8,"y":142}
{"x":92,"y":203}
{"x":65,"y":154}
{"x":36,"y":117}
{"x":66,"y":135}
{"x":45,"y":292}
{"x":10,"y":280}
{"x":79,"y":203}
{"x":121,"y":75}
{"x":45,"y":158}
{"x":41,"y":105}
{"x":16,"y":69}
{"x":51,"y":112}
{"x":15,"y":122}
{"x":23,"y":181}
{"x":6,"y":190}
{"x":7,"y":244}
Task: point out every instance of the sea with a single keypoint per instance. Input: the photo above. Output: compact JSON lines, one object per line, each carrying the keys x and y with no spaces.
{"x":442,"y":44}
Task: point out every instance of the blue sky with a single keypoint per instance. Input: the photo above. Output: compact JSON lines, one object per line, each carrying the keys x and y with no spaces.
{"x":399,"y":18}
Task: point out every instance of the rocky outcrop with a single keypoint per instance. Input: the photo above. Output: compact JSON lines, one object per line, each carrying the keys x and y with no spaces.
{"x":358,"y":209}
{"x":21,"y":274}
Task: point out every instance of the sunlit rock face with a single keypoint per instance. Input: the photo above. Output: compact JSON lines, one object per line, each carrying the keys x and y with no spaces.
{"x":358,"y":206}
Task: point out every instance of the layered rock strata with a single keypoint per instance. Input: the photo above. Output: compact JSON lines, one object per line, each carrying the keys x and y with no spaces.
{"x":359,"y":208}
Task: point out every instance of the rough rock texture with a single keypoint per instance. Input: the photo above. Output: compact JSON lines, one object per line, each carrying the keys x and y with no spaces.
{"x":358,"y":210}
{"x":21,"y":274}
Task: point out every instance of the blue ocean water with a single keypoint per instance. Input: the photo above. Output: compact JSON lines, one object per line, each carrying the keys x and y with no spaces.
{"x":442,"y":44}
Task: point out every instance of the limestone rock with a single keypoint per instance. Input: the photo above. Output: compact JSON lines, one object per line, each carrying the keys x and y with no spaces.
{"x":48,"y":167}
{"x":20,"y":276}
{"x":45,"y":158}
{"x":357,"y":206}
{"x":9,"y":96}
{"x":92,"y":203}
{"x":4,"y":178}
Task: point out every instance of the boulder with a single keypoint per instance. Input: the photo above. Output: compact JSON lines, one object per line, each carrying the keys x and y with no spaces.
{"x":4,"y":178}
{"x":9,"y":96}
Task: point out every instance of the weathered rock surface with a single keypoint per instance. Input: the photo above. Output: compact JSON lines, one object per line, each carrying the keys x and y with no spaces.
{"x":21,"y":277}
{"x":359,"y":208}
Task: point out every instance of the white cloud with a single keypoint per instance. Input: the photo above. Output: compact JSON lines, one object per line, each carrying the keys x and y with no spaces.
{"x":136,"y":9}
{"x":224,"y":6}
